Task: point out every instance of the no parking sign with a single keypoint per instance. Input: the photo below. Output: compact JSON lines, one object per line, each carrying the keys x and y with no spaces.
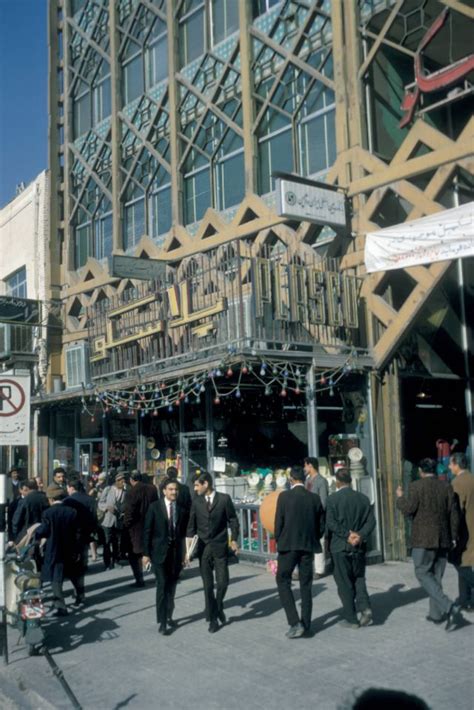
{"x":14,"y":411}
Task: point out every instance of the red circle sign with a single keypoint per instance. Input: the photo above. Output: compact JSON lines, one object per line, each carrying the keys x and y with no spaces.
{"x":7,"y":390}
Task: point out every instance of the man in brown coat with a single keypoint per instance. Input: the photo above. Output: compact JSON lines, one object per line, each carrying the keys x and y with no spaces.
{"x":435,"y":516}
{"x":463,"y":485}
{"x":137,"y":501}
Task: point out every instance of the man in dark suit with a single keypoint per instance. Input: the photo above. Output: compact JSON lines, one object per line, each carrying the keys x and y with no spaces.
{"x":349,"y":521}
{"x":435,"y":523}
{"x":164,"y":535}
{"x":30,"y":509}
{"x":184,"y":494}
{"x":299,"y":526}
{"x":85,"y":507}
{"x":211,"y":514}
{"x":137,"y":501}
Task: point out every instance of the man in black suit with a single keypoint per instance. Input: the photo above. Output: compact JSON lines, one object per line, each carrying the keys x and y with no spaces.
{"x":211,"y":514}
{"x":299,"y":526}
{"x":349,"y":521}
{"x":30,"y":509}
{"x":184,"y":495}
{"x":86,"y":511}
{"x":164,"y":535}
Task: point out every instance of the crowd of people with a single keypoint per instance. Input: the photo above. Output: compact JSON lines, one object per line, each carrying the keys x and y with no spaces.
{"x":161,"y":527}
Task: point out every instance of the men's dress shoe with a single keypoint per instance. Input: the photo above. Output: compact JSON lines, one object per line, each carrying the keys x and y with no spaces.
{"x":349,"y":624}
{"x":79,"y":600}
{"x":138,"y":584}
{"x":436,"y":621}
{"x":172,"y":624}
{"x":453,"y":617}
{"x":60,"y":612}
{"x":318,"y":576}
{"x":365,"y":618}
{"x":295,"y":632}
{"x":213,"y":627}
{"x":222,"y":617}
{"x":163,"y":630}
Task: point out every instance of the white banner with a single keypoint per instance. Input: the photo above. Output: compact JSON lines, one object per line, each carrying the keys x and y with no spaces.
{"x":444,"y":235}
{"x":14,"y":411}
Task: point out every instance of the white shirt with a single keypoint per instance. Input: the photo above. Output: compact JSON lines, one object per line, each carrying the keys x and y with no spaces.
{"x":297,"y":484}
{"x":209,"y":498}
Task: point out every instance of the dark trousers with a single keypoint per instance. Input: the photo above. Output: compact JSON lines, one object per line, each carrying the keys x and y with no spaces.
{"x":287,"y":561}
{"x":466,"y":585}
{"x":210,"y":562}
{"x":116,"y":545}
{"x":166,"y":575}
{"x":349,"y":573}
{"x":429,"y":571}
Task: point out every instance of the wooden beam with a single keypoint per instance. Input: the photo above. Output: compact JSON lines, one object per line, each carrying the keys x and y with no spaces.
{"x":460,"y":7}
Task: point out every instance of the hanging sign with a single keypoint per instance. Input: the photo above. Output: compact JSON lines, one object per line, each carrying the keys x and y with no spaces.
{"x":14,"y":411}
{"x":22,"y":311}
{"x":300,"y":200}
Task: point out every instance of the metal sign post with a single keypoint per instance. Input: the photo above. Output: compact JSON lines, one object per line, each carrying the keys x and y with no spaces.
{"x":3,"y":539}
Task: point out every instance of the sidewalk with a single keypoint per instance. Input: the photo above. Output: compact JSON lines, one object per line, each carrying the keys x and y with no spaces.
{"x":113,"y":657}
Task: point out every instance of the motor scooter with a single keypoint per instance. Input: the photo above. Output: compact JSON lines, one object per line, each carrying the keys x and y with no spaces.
{"x":24,"y":596}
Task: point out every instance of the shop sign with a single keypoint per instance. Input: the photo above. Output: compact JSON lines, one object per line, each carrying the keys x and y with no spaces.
{"x":311,"y":203}
{"x":131,"y":267}
{"x":15,"y":411}
{"x":21,"y":311}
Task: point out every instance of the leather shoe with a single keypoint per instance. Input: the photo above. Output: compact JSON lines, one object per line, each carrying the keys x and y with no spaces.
{"x":453,"y":617}
{"x":213,"y":627}
{"x":436,"y":621}
{"x":222,"y":617}
{"x":365,"y":617}
{"x":349,"y":624}
{"x":172,"y":623}
{"x":60,"y":612}
{"x":163,"y":630}
{"x":295,"y":632}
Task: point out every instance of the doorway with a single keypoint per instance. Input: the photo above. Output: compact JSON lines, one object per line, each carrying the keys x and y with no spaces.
{"x":89,"y":456}
{"x":196,"y":449}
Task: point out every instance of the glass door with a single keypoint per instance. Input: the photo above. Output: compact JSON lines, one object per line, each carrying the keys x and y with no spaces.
{"x":196,"y":451}
{"x":89,"y":459}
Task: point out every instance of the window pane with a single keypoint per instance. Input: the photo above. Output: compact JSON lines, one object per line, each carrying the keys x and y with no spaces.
{"x":192,"y":37}
{"x":318,"y":143}
{"x":16,"y":283}
{"x":103,"y":237}
{"x":160,"y":212}
{"x":134,"y":223}
{"x":274,"y":154}
{"x":133,"y":79}
{"x":225,"y":19}
{"x":82,"y":115}
{"x":230,"y":181}
{"x":102,"y":101}
{"x":157,"y":59}
{"x":81,"y":245}
{"x":197,"y":195}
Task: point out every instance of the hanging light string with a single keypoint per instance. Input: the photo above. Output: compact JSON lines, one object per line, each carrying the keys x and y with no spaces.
{"x":269,"y":374}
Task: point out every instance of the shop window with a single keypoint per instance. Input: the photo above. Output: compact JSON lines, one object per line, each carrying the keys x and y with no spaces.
{"x":16,"y":283}
{"x":134,"y":222}
{"x":225,"y":19}
{"x":197,"y":194}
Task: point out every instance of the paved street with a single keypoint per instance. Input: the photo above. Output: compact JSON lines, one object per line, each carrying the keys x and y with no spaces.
{"x":113,"y":657}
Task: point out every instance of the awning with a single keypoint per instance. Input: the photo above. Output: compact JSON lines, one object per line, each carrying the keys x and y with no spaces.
{"x":438,"y":237}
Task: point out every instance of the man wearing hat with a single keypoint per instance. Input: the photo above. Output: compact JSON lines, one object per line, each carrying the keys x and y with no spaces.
{"x":115,"y":548}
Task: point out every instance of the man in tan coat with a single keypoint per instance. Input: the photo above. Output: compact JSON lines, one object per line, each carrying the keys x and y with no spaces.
{"x":463,"y":485}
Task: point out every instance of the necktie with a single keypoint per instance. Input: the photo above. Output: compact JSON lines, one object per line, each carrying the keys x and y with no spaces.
{"x":208,"y":498}
{"x":172,"y":520}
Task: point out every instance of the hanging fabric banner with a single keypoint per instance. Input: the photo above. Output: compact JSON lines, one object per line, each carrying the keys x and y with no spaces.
{"x":444,"y":235}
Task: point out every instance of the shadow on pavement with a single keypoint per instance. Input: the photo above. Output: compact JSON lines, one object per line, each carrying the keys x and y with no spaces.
{"x":383,"y":603}
{"x":124,"y":703}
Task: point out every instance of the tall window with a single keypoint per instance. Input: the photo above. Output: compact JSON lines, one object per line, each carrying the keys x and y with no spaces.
{"x":145,"y":63}
{"x":224,"y":19}
{"x":134,"y":218}
{"x":159,"y":205}
{"x":91,"y":104}
{"x":230,"y":180}
{"x":197,"y":193}
{"x":205,"y":23}
{"x":16,"y":283}
{"x":275,"y":150}
{"x":133,"y":78}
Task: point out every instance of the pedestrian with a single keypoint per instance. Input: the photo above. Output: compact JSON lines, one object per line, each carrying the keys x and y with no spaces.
{"x":350,"y":520}
{"x":115,"y":548}
{"x":86,"y":521}
{"x":40,"y":484}
{"x":29,"y":510}
{"x":431,"y":505}
{"x":13,"y":497}
{"x":315,"y":483}
{"x":184,"y":494}
{"x":59,"y":477}
{"x":137,"y":501}
{"x":164,"y":534}
{"x":299,"y":526}
{"x":212,"y":513}
{"x":463,"y":486}
{"x":59,"y":527}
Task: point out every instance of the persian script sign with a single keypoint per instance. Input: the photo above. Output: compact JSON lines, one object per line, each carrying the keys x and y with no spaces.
{"x":298,"y":200}
{"x":22,"y":311}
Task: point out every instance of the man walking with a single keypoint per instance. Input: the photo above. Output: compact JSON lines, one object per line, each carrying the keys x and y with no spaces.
{"x":463,"y":486}
{"x":29,"y":510}
{"x":113,"y":502}
{"x":435,"y":514}
{"x":164,"y":535}
{"x":86,"y":522}
{"x":299,"y":526}
{"x":315,"y":483}
{"x":349,"y":521}
{"x":137,"y":501}
{"x":184,"y":495}
{"x":211,"y":514}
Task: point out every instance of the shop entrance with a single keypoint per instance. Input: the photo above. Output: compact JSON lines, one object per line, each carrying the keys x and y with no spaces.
{"x":196,"y":449}
{"x":89,"y":456}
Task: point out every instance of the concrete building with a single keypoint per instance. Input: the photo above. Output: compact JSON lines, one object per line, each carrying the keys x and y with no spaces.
{"x":25,"y":273}
{"x":168,"y":124}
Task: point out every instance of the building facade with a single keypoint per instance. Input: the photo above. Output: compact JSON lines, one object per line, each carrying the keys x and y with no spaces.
{"x":168,"y":124}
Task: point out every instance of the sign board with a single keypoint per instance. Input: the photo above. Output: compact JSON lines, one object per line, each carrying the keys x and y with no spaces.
{"x":301,"y":200}
{"x":131,"y":267}
{"x":14,"y":411}
{"x":22,"y":311}
{"x":444,"y":235}
{"x":218,"y":464}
